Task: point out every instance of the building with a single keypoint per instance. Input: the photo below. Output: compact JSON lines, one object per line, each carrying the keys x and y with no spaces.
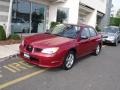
{"x":35,"y":16}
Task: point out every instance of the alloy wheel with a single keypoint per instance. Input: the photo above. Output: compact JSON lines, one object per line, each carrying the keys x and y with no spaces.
{"x":69,"y":61}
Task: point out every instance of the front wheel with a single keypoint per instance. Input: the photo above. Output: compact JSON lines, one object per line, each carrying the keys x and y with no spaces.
{"x":69,"y":61}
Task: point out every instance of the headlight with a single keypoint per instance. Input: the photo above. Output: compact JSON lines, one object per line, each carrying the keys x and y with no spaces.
{"x":50,"y":50}
{"x":112,"y":38}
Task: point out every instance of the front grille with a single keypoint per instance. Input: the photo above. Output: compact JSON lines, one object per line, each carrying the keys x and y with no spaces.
{"x":34,"y":60}
{"x":29,"y":48}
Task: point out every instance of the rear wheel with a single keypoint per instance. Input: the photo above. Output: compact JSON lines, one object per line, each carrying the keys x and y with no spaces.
{"x":69,"y":61}
{"x":97,"y":50}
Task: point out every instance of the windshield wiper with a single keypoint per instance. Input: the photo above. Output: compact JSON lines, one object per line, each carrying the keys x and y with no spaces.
{"x":68,"y":37}
{"x":47,"y":33}
{"x":57,"y":35}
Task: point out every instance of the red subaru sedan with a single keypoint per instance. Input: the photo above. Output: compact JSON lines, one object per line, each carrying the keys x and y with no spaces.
{"x":61,"y":46}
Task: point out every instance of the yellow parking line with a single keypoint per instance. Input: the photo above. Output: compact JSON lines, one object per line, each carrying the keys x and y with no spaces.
{"x":26,"y":64}
{"x":12,"y":70}
{"x":21,"y":79}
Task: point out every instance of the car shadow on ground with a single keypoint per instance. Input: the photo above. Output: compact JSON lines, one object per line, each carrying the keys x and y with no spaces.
{"x":110,"y":44}
{"x":77,"y":62}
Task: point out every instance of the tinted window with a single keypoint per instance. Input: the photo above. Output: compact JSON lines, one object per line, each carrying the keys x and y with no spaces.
{"x":17,"y":21}
{"x":20,"y":21}
{"x":92,"y":32}
{"x":85,"y":32}
{"x":14,"y":20}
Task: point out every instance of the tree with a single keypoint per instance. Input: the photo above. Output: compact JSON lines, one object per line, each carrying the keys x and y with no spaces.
{"x":118,"y":13}
{"x":115,"y":21}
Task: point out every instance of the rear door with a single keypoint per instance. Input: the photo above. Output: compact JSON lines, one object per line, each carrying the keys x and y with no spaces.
{"x":93,"y":39}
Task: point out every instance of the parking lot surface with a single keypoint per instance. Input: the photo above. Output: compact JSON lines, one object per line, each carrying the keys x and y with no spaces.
{"x":89,"y":73}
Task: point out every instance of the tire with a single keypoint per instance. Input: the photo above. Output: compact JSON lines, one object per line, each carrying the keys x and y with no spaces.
{"x":69,"y":61}
{"x":97,"y":50}
{"x":116,"y":43}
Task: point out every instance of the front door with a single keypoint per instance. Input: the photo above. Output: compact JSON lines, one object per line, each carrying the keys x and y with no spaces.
{"x":38,"y":18}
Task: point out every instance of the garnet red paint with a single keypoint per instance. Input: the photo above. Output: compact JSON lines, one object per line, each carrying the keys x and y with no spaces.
{"x":33,"y":45}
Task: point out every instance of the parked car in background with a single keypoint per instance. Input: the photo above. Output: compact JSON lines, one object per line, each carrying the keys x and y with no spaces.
{"x":111,"y":34}
{"x":19,"y":26}
{"x":61,"y":46}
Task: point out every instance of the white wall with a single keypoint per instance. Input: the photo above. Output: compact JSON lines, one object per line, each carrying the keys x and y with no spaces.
{"x":92,"y":18}
{"x":4,"y":13}
{"x":8,"y":28}
{"x":73,"y":6}
{"x":99,"y":5}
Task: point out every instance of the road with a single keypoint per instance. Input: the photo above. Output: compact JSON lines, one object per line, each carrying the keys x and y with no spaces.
{"x":89,"y":73}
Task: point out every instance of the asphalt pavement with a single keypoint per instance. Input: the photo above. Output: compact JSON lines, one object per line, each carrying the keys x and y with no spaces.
{"x":89,"y":73}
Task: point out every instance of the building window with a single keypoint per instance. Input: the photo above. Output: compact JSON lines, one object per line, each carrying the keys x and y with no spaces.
{"x":62,"y":15}
{"x":28,"y":17}
{"x":20,"y":16}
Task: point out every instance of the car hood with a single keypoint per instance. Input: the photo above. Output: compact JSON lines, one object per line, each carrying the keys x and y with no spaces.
{"x":47,"y":40}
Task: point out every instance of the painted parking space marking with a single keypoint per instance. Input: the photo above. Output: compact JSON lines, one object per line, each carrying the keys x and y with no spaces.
{"x":6,"y":67}
{"x":17,"y":70}
{"x":2,"y":86}
{"x":17,"y":66}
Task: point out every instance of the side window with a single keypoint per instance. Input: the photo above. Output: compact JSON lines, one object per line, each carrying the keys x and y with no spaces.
{"x":85,"y":32}
{"x":92,"y":32}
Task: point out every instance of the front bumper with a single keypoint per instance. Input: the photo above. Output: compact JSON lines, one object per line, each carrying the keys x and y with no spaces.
{"x":42,"y":60}
{"x":105,"y":40}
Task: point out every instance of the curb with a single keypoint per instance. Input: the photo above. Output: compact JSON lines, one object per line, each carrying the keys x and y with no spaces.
{"x":9,"y":57}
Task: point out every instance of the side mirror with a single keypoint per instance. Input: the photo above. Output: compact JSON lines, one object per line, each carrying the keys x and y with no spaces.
{"x":84,"y":37}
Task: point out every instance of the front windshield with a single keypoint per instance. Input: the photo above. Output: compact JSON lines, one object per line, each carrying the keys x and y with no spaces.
{"x":110,"y":30}
{"x":69,"y":31}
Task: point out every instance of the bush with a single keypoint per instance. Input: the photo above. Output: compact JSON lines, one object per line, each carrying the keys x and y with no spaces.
{"x":114,"y":21}
{"x":14,"y":37}
{"x":53,"y":24}
{"x":2,"y":33}
{"x":98,"y":29}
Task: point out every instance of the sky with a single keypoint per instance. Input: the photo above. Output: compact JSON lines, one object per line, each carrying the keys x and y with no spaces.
{"x":116,"y":5}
